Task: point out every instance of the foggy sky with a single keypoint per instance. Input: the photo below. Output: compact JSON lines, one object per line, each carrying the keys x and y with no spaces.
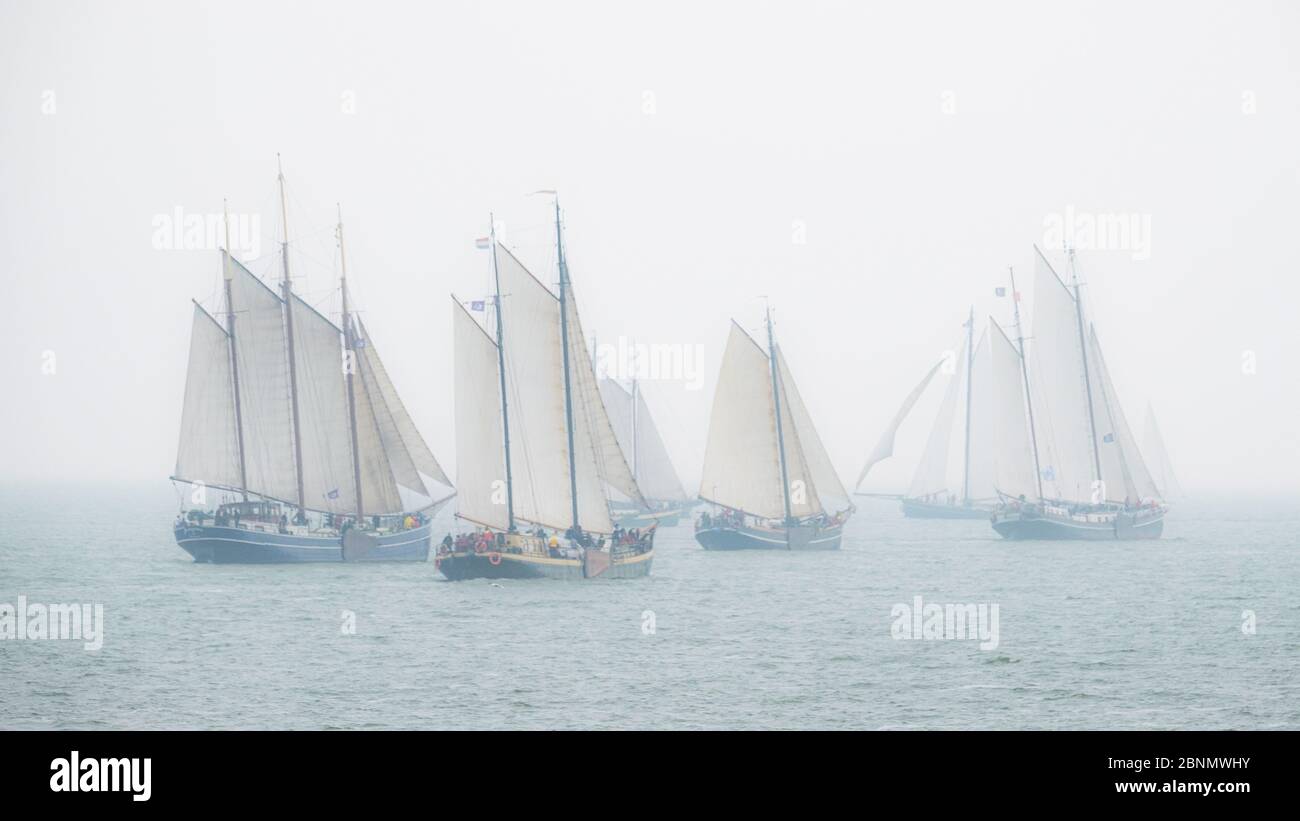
{"x":917,"y":149}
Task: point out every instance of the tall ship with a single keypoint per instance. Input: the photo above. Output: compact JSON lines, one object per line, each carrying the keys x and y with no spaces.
{"x":767,"y":477}
{"x":294,"y":442}
{"x":1081,"y":475}
{"x":537,"y":457}
{"x":934,"y":492}
{"x":648,"y":457}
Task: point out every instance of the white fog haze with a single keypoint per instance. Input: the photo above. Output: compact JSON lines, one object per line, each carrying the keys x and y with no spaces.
{"x":868,"y":170}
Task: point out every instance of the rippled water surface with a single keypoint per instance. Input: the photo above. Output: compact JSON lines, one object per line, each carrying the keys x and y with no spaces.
{"x":1091,"y":635}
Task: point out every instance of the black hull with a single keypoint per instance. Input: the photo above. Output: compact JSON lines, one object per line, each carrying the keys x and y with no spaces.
{"x":1126,"y":526}
{"x":914,"y":509}
{"x":718,"y":537}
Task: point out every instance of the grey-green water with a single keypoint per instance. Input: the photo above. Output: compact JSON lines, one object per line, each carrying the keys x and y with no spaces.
{"x":1091,"y":635}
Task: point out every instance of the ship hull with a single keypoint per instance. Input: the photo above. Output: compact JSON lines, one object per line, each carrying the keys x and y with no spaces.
{"x":916,"y":509}
{"x":1124,"y":526}
{"x":230,"y":545}
{"x":462,"y":566}
{"x":728,"y":537}
{"x":642,"y":519}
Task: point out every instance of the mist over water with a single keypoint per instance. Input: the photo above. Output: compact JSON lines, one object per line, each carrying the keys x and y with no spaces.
{"x":1091,"y":635}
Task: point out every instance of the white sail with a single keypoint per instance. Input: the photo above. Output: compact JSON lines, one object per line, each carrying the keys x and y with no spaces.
{"x":262,"y":354}
{"x":741,"y":467}
{"x":480,"y":450}
{"x":826,"y":491}
{"x":1061,"y":412}
{"x":1012,"y":458}
{"x":322,"y":412}
{"x":208,"y":450}
{"x":407,"y":450}
{"x":982,"y":484}
{"x":1124,"y":471}
{"x":885,"y":447}
{"x":651,"y":465}
{"x":931,"y":474}
{"x":604,"y":460}
{"x":1153,"y":448}
{"x":539,"y":451}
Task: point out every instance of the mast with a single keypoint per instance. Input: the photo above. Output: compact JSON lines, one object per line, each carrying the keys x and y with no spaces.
{"x":501,"y":370}
{"x":970,"y":372}
{"x":776,"y":400}
{"x":634,"y":415}
{"x":1087,"y":380}
{"x":234,"y":359}
{"x":349,"y":345}
{"x":1024,"y":370}
{"x":564,"y":345}
{"x":286,"y":289}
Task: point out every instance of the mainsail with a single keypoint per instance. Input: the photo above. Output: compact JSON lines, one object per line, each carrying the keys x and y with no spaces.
{"x":1124,"y":471}
{"x":535,"y":391}
{"x":641,"y":443}
{"x":389,"y":449}
{"x":1011,"y":459}
{"x":742,"y":460}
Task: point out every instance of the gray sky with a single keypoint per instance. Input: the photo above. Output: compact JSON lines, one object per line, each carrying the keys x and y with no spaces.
{"x":916,"y":150}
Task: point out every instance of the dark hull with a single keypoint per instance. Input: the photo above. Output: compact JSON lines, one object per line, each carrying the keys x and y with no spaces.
{"x":230,"y":545}
{"x":1125,"y":526}
{"x":491,"y":565}
{"x":720,"y":537}
{"x":915,"y":509}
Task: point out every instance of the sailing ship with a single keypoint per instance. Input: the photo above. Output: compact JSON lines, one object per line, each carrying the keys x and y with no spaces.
{"x":931,"y":494}
{"x":293,"y":424}
{"x":648,"y":457}
{"x":766,"y":474}
{"x":1081,"y":475}
{"x":537,"y":456}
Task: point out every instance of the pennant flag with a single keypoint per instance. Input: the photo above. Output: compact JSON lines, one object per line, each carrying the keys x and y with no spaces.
{"x":1108,"y":438}
{"x":476,"y":305}
{"x":999,"y":291}
{"x":483,"y":242}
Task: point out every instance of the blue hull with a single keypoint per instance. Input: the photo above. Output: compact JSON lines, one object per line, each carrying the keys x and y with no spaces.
{"x":230,"y":545}
{"x":730,"y":537}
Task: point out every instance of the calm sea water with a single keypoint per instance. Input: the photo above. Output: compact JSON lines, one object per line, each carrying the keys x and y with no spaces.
{"x":1100,"y":635}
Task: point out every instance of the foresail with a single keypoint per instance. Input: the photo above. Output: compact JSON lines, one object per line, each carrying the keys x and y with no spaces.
{"x":885,"y":447}
{"x":604,"y":462}
{"x":741,"y":467}
{"x":828,"y":494}
{"x":480,"y":449}
{"x":404,"y":434}
{"x":208,"y":452}
{"x":1124,"y":471}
